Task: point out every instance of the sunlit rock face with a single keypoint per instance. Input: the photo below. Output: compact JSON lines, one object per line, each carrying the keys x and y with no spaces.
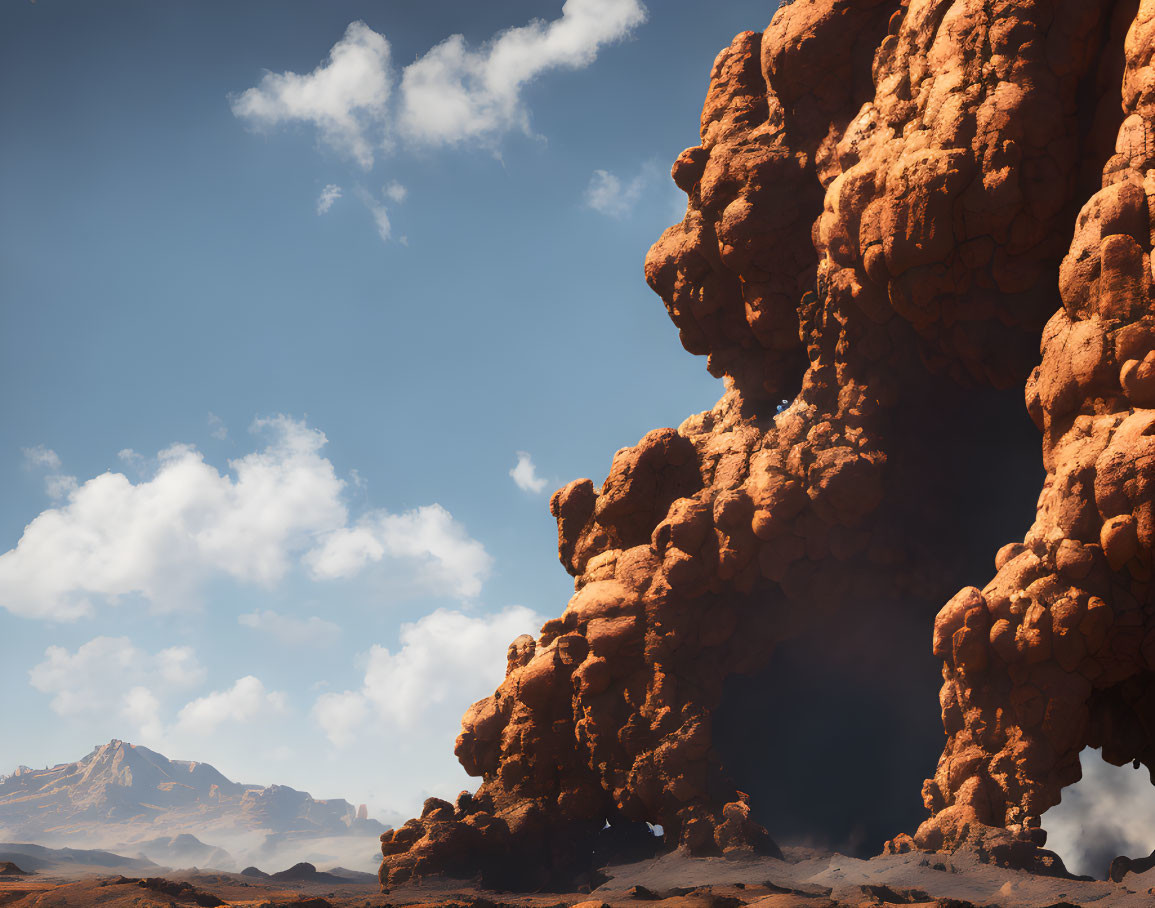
{"x":879,"y":231}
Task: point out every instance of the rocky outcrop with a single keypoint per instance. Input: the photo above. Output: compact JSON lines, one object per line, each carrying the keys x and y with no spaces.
{"x":877,"y":217}
{"x":1056,"y":652}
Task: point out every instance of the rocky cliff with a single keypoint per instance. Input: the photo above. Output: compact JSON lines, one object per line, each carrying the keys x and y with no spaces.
{"x":925,"y":227}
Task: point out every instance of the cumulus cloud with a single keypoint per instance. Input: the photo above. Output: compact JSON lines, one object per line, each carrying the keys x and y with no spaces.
{"x":447,"y":660}
{"x":451,"y":561}
{"x":40,"y":457}
{"x":328,"y":196}
{"x":1105,"y":814}
{"x":312,"y":631}
{"x":454,"y":93}
{"x":162,"y":538}
{"x":110,"y":683}
{"x":524,"y":473}
{"x":99,"y":676}
{"x":450,"y":95}
{"x":613,"y":197}
{"x":344,"y":98}
{"x":246,"y":700}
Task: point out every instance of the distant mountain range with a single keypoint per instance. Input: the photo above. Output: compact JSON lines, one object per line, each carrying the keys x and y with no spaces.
{"x":129,"y":797}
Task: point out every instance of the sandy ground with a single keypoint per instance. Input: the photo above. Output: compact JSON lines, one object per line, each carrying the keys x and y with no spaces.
{"x":804,"y":880}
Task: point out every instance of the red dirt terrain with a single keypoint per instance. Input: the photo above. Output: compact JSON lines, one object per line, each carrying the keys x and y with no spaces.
{"x":802,"y":880}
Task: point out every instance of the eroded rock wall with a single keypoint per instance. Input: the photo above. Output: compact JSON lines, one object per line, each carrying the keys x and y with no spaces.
{"x":880,"y":204}
{"x":1056,"y":652}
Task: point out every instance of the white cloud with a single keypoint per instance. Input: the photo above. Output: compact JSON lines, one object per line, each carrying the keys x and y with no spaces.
{"x":40,"y":457}
{"x":113,"y":687}
{"x":451,"y":561}
{"x":446,"y":661}
{"x":341,"y":715}
{"x":162,"y":538}
{"x":130,"y":457}
{"x":379,"y":212}
{"x":179,"y":667}
{"x":1105,"y":814}
{"x":217,"y":427}
{"x":451,"y":94}
{"x":525,"y":475}
{"x":328,"y":196}
{"x":311,"y":631}
{"x":381,"y":219}
{"x":246,"y":700}
{"x":56,"y":485}
{"x":454,"y":93}
{"x":59,"y":485}
{"x":142,"y":708}
{"x":99,"y":675}
{"x":396,"y":192}
{"x":606,"y":193}
{"x":345,"y":98}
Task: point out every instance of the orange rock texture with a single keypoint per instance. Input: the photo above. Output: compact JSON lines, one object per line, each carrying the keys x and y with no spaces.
{"x":879,"y":226}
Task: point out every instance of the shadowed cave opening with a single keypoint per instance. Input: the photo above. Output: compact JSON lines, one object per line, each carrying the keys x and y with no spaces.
{"x":833,"y":738}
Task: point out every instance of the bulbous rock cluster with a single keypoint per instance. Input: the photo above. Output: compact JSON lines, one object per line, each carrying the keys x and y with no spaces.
{"x":1056,"y":653}
{"x":880,"y":204}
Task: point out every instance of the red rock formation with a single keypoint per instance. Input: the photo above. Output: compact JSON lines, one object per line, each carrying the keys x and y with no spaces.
{"x":880,"y":203}
{"x":1056,"y":652}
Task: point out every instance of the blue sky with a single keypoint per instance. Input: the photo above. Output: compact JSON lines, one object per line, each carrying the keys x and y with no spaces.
{"x":256,"y":504}
{"x":256,"y":459}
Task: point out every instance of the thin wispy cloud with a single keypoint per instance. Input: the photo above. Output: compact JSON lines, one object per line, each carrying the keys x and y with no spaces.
{"x":395,"y":192}
{"x":130,"y":458}
{"x":328,"y":196}
{"x":381,"y":219}
{"x":98,"y":675}
{"x":524,"y":473}
{"x":217,"y":427}
{"x":312,"y":631}
{"x":614,"y":197}
{"x":57,"y":485}
{"x":164,"y":537}
{"x":41,"y":458}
